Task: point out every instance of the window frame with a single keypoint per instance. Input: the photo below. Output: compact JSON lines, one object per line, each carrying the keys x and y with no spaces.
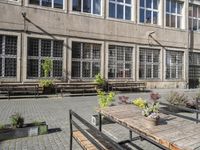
{"x":39,"y":58}
{"x":90,"y":60}
{"x":152,"y":12}
{"x":176,"y":14}
{"x":46,"y":7}
{"x":123,"y":46}
{"x":191,"y":6}
{"x":176,"y":65}
{"x":124,"y":10}
{"x":92,"y":9}
{"x":3,"y":56}
{"x":145,"y":63}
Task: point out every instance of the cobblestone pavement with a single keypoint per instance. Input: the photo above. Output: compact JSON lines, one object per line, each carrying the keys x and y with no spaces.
{"x":55,"y":112}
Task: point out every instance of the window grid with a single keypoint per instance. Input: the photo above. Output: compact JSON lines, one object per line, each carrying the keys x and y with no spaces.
{"x":44,"y":48}
{"x":126,"y":5}
{"x":85,"y":60}
{"x":153,"y":11}
{"x":174,"y":19}
{"x":174,"y":64}
{"x":194,"y":17}
{"x":91,"y":10}
{"x":48,"y":3}
{"x":120,"y":62}
{"x":194,"y":65}
{"x":8,"y":56}
{"x":149,"y":63}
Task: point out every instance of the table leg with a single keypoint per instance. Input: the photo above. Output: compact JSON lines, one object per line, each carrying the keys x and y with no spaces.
{"x":130,"y":135}
{"x":100,"y":122}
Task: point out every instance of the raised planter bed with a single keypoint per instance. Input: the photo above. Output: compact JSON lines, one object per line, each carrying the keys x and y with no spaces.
{"x":27,"y":130}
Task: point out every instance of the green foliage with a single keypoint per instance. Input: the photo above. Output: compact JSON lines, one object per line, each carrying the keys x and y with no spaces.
{"x":46,"y":83}
{"x":99,"y":79}
{"x":47,"y":66}
{"x":175,"y":98}
{"x":36,"y":123}
{"x":43,"y":129}
{"x":17,"y":120}
{"x":2,"y":126}
{"x":105,"y":99}
{"x":151,"y":110}
{"x":140,"y":103}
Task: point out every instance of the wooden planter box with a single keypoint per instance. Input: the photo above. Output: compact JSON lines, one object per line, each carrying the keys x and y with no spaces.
{"x":26,"y":131}
{"x":95,"y":120}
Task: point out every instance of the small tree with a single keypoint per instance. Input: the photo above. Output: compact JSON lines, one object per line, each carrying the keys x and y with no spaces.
{"x":47,"y":66}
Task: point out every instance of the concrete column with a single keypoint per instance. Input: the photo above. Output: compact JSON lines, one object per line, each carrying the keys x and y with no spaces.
{"x":161,"y":9}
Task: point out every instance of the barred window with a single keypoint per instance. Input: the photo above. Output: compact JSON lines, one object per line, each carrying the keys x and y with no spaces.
{"x":38,"y":51}
{"x":8,"y":56}
{"x":120,"y":62}
{"x":174,"y":64}
{"x":149,"y":67}
{"x":194,"y":65}
{"x":85,"y":60}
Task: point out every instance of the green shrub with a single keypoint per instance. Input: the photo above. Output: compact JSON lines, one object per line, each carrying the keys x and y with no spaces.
{"x":17,"y":120}
{"x":46,"y":83}
{"x":99,"y":79}
{"x":105,"y":99}
{"x":141,"y":103}
{"x":47,"y":66}
{"x":2,"y":126}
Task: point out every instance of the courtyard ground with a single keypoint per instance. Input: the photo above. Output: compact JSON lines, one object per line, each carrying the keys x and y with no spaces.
{"x":55,"y":112}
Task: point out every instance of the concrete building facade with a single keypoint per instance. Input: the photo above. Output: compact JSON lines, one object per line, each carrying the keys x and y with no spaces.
{"x":154,"y":41}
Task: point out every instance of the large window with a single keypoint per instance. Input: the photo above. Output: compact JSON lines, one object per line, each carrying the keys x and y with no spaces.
{"x":120,"y":62}
{"x":120,"y":9}
{"x":174,"y":13}
{"x":194,"y":65}
{"x":38,"y":51}
{"x":85,"y":60}
{"x":149,"y":11}
{"x":87,"y":6}
{"x":8,"y":56}
{"x":149,"y":67}
{"x":48,"y":3}
{"x":194,"y":17}
{"x":174,"y":65}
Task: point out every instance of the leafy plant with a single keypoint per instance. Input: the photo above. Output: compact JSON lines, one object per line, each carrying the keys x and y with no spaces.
{"x":36,"y":123}
{"x":99,"y":79}
{"x":176,"y":98}
{"x":155,"y":96}
{"x":2,"y":126}
{"x":123,"y":100}
{"x":151,"y":110}
{"x":105,"y":99}
{"x":141,"y":103}
{"x":17,"y":120}
{"x":47,"y":66}
{"x":46,"y":83}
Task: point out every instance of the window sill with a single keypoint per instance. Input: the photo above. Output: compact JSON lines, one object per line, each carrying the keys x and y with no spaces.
{"x":150,"y":25}
{"x":120,"y":20}
{"x":11,"y":2}
{"x":174,"y":29}
{"x":86,"y":14}
{"x":46,"y":8}
{"x":150,"y":80}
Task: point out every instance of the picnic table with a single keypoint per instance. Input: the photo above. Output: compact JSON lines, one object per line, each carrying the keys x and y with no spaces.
{"x":173,"y":132}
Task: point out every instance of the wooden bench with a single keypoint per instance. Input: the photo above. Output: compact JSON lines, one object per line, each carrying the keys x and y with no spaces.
{"x":128,"y":86}
{"x":20,"y":88}
{"x":75,"y":88}
{"x":90,"y":138}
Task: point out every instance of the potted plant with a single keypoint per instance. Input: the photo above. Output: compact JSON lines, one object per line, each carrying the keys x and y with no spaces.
{"x":124,"y":100}
{"x":150,"y":111}
{"x":47,"y":84}
{"x":104,"y":100}
{"x":101,"y":83}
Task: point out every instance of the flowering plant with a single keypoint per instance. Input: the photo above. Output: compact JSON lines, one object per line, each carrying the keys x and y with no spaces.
{"x":124,"y":100}
{"x":150,"y":110}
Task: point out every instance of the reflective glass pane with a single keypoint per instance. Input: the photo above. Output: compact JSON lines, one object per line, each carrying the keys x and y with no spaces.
{"x":76,"y":50}
{"x":148,"y":16}
{"x":45,"y":47}
{"x":112,"y":10}
{"x":77,"y":5}
{"x":142,"y":15}
{"x":190,"y":23}
{"x":155,"y":4}
{"x":34,"y":2}
{"x":86,"y":69}
{"x":173,"y":6}
{"x":128,"y":13}
{"x":120,"y":11}
{"x":97,"y":7}
{"x":76,"y":66}
{"x":194,"y":24}
{"x":155,"y":18}
{"x":33,"y":47}
{"x":148,"y":3}
{"x":178,"y":22}
{"x":173,"y":21}
{"x":141,"y":3}
{"x":46,"y":3}
{"x":58,"y":4}
{"x":87,"y":6}
{"x":128,"y":1}
{"x":168,"y":20}
{"x":179,"y":8}
{"x":167,"y":5}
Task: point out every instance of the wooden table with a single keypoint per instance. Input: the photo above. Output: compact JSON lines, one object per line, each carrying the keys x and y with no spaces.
{"x":173,"y":132}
